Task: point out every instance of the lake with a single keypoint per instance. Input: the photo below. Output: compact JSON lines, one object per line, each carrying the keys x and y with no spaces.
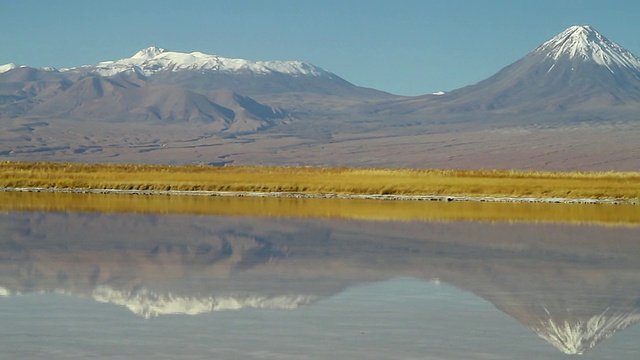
{"x":181,"y":277}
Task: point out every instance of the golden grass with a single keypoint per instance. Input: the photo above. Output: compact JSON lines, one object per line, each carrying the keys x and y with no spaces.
{"x":601,"y":214}
{"x":497,"y":183}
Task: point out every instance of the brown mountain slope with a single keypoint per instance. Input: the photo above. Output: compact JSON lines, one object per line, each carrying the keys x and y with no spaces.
{"x":123,"y":99}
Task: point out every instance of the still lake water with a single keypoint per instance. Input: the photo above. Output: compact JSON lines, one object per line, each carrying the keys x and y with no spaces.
{"x":297,"y":284}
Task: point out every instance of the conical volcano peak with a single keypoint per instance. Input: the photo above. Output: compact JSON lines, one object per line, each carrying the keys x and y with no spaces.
{"x":585,"y":43}
{"x":582,"y":31}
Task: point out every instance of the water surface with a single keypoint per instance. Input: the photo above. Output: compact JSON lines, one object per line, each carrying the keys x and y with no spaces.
{"x":155,"y":284}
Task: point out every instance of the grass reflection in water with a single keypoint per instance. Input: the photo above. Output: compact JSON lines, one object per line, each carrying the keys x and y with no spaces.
{"x":397,"y":210}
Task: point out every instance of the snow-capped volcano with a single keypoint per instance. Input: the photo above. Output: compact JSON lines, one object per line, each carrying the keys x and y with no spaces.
{"x":578,"y":70}
{"x":585,"y":43}
{"x":153,"y":59}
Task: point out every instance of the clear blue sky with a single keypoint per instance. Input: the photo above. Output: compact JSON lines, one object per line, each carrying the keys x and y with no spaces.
{"x":407,"y":47}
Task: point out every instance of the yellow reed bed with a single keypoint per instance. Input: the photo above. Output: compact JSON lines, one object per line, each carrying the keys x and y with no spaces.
{"x":490,"y":183}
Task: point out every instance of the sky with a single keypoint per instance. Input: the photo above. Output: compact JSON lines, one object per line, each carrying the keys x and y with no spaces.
{"x":405,"y":47}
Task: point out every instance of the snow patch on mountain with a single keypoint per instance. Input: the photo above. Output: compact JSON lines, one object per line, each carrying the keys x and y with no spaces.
{"x":148,"y":53}
{"x":575,"y":338}
{"x":154,"y":59}
{"x":585,"y":43}
{"x":149,"y":304}
{"x":11,"y":66}
{"x":7,"y":67}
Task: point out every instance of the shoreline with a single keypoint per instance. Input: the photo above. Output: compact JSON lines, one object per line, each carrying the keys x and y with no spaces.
{"x":275,"y":194}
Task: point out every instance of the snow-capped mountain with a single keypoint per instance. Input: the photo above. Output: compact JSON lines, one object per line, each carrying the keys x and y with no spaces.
{"x":166,"y":87}
{"x":153,"y":59}
{"x":578,"y":70}
{"x":204,"y":72}
{"x":586,"y":44}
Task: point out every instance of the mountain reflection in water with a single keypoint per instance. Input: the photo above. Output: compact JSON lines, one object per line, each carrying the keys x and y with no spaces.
{"x":573,"y":285}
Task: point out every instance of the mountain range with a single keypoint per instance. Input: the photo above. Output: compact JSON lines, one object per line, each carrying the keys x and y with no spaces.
{"x":570,"y":104}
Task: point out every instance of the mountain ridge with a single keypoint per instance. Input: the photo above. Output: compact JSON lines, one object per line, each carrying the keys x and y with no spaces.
{"x":153,"y":59}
